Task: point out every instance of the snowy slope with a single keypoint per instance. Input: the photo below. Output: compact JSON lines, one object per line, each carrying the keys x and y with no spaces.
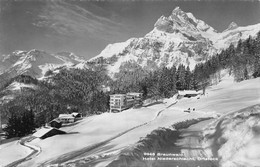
{"x":179,"y":38}
{"x":233,"y":35}
{"x":240,"y":131}
{"x":18,"y":86}
{"x":12,"y":151}
{"x":133,"y":124}
{"x":13,"y":89}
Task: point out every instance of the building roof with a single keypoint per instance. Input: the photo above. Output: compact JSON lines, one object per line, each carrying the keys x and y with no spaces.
{"x":65,"y":116}
{"x":74,"y":114}
{"x":118,"y":95}
{"x":56,"y":120}
{"x":41,"y":132}
{"x":134,"y":93}
{"x":105,"y":88}
{"x":185,"y":92}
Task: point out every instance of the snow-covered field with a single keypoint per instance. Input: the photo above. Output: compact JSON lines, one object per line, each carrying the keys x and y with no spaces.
{"x":116,"y":131}
{"x":236,"y":138}
{"x":12,"y":151}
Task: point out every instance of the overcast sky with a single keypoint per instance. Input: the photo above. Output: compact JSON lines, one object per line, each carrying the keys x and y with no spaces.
{"x":85,"y":27}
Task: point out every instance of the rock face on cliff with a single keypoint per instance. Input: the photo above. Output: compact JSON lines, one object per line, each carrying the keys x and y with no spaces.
{"x":177,"y":39}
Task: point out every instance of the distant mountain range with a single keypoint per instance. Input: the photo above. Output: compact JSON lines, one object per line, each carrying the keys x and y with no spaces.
{"x":35,"y":63}
{"x":177,"y":39}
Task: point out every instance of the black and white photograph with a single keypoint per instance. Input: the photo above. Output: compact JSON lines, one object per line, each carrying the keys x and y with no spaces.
{"x":129,"y":83}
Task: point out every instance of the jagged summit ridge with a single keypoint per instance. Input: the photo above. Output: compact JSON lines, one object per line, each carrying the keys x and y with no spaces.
{"x":179,"y":20}
{"x":177,"y":11}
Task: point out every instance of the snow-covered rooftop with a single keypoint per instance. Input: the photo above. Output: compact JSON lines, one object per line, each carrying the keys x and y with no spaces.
{"x":42,"y":131}
{"x":65,"y":116}
{"x":185,"y":92}
{"x":74,"y":114}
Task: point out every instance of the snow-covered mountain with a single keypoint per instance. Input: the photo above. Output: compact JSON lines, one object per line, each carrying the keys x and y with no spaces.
{"x":179,"y":38}
{"x":35,"y":63}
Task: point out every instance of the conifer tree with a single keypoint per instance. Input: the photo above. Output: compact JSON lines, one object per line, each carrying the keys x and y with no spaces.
{"x":246,"y":74}
{"x":187,"y":78}
{"x":20,"y":122}
{"x":180,"y":83}
{"x":239,"y":48}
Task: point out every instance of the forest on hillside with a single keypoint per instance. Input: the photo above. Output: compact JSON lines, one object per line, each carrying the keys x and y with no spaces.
{"x":70,"y":90}
{"x":242,"y":61}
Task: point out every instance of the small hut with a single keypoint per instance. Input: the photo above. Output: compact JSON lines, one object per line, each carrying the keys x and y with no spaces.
{"x":76,"y":115}
{"x":55,"y":123}
{"x":187,"y":93}
{"x":66,"y":118}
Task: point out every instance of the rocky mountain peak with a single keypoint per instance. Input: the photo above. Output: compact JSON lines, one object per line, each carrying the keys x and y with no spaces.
{"x":181,"y":21}
{"x":231,"y":26}
{"x":177,"y":11}
{"x":34,"y":54}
